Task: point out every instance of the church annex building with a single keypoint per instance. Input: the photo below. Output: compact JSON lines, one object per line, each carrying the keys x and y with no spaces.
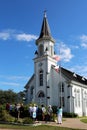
{"x":49,"y":86}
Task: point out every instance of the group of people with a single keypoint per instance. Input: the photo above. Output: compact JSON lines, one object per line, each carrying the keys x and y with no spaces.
{"x":40,"y":113}
{"x":16,"y":110}
{"x":36,"y":113}
{"x":45,"y":114}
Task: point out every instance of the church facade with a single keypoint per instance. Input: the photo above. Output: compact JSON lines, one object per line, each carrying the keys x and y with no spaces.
{"x":53,"y":85}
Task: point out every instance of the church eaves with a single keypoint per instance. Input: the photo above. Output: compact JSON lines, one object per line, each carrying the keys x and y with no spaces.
{"x":73,"y":76}
{"x":45,"y":31}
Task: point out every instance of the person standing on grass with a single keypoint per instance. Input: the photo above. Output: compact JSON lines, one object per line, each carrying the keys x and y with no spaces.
{"x":59,"y":115}
{"x":43,"y":112}
{"x":30,"y":110}
{"x":49,"y":113}
{"x":34,"y":109}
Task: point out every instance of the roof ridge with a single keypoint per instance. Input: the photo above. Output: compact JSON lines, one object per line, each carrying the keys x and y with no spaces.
{"x":70,"y":75}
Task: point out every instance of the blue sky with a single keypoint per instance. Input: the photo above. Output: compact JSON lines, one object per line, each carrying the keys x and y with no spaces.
{"x":20,"y":25}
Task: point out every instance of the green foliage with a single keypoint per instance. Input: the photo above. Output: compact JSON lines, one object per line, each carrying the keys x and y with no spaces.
{"x":5,"y":116}
{"x":84,"y":120}
{"x":54,"y":109}
{"x":28,"y":120}
{"x":21,"y":97}
{"x":65,"y":114}
{"x":54,"y":116}
{"x":40,"y":127}
{"x":7,"y":97}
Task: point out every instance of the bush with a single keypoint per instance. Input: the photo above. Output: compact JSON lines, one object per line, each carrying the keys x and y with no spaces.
{"x":5,"y":116}
{"x":26,"y":112}
{"x":28,"y":120}
{"x":54,"y":116}
{"x":54,"y":109}
{"x":65,"y":114}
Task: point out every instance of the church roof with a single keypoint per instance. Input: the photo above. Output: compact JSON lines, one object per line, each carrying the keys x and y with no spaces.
{"x":45,"y":30}
{"x":73,"y":76}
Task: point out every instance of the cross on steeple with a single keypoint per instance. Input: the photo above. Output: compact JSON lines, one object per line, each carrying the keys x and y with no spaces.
{"x":45,"y":30}
{"x":45,"y":13}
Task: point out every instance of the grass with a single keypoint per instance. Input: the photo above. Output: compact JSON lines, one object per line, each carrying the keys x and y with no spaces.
{"x":41,"y":127}
{"x":84,"y":120}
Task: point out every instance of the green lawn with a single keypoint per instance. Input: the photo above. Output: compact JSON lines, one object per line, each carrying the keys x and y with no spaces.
{"x":84,"y":120}
{"x":40,"y":127}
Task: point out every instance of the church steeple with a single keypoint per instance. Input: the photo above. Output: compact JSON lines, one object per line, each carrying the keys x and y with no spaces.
{"x":45,"y":30}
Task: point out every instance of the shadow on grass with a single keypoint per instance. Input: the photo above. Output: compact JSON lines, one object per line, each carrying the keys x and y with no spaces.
{"x":40,"y":127}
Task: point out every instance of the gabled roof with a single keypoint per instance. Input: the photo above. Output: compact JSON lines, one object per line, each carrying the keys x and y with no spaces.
{"x":73,"y":76}
{"x":45,"y":30}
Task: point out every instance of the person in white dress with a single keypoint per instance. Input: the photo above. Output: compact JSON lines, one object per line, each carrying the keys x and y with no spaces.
{"x":59,"y":115}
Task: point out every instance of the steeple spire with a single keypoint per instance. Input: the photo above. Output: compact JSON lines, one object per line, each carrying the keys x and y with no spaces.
{"x":45,"y":30}
{"x":45,"y":13}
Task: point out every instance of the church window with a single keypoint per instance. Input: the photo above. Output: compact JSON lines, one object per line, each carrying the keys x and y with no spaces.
{"x":86,"y":99}
{"x":74,"y":90}
{"x":85,"y":94}
{"x":75,"y":97}
{"x":41,"y":97}
{"x":41,"y":94}
{"x":41,"y":50}
{"x":41,"y":78}
{"x":62,"y":102}
{"x":78,"y":94}
{"x":61,"y":87}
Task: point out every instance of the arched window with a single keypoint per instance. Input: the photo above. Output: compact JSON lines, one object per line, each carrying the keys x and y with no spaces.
{"x":86,"y":98}
{"x":61,"y":90}
{"x":62,"y":101}
{"x":41,"y":78}
{"x":85,"y":94}
{"x":78,"y":95}
{"x":61,"y":87}
{"x":75,"y":97}
{"x":41,"y":50}
{"x":41,"y":95}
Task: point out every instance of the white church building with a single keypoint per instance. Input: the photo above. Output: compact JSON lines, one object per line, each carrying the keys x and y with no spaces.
{"x":50,"y":87}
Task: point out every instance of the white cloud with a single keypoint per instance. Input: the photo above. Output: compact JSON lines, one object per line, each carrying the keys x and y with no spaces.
{"x":84,"y":45}
{"x":10,"y":84}
{"x":16,"y":78}
{"x":13,"y":81}
{"x":81,"y":70}
{"x":13,"y":34}
{"x":65,"y":52}
{"x":4,"y":35}
{"x":25,"y":37}
{"x":83,"y":39}
{"x":74,"y":47}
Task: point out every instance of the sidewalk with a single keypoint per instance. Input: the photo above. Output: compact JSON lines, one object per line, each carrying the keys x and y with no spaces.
{"x":70,"y":123}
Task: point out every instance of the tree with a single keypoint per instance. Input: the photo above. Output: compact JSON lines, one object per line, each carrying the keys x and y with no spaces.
{"x":21,"y":96}
{"x":7,"y":97}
